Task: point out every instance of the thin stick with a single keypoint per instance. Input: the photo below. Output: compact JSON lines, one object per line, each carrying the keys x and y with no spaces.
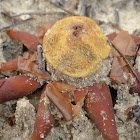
{"x":12,"y":25}
{"x":117,"y":17}
{"x":15,"y":19}
{"x":126,"y":61}
{"x":69,"y":12}
{"x":41,"y":60}
{"x":36,"y":13}
{"x":83,"y":10}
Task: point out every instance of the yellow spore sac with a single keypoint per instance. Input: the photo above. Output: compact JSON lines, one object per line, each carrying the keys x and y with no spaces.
{"x":76,"y":46}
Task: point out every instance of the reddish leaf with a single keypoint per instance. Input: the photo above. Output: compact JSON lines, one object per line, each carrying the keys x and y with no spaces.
{"x":29,"y":63}
{"x":63,"y":103}
{"x":60,"y":101}
{"x":125,"y":43}
{"x":136,"y":39}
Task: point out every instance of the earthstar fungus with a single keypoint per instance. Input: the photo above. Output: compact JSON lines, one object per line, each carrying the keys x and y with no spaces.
{"x":76,"y":47}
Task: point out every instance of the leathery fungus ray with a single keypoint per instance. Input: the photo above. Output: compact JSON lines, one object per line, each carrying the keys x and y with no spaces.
{"x":76,"y":46}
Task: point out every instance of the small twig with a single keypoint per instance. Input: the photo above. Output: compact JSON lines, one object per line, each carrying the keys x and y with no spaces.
{"x":36,"y":13}
{"x":41,"y":60}
{"x":73,"y":126}
{"x":8,"y":14}
{"x":83,"y":10}
{"x":67,"y":11}
{"x":12,"y":25}
{"x":86,"y":10}
{"x":126,"y":61}
{"x":117,"y":17}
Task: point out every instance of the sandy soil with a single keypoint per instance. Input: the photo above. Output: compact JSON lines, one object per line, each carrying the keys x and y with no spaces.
{"x":111,"y":15}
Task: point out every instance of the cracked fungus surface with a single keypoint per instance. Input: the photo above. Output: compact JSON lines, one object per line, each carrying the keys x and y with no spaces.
{"x":76,"y":46}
